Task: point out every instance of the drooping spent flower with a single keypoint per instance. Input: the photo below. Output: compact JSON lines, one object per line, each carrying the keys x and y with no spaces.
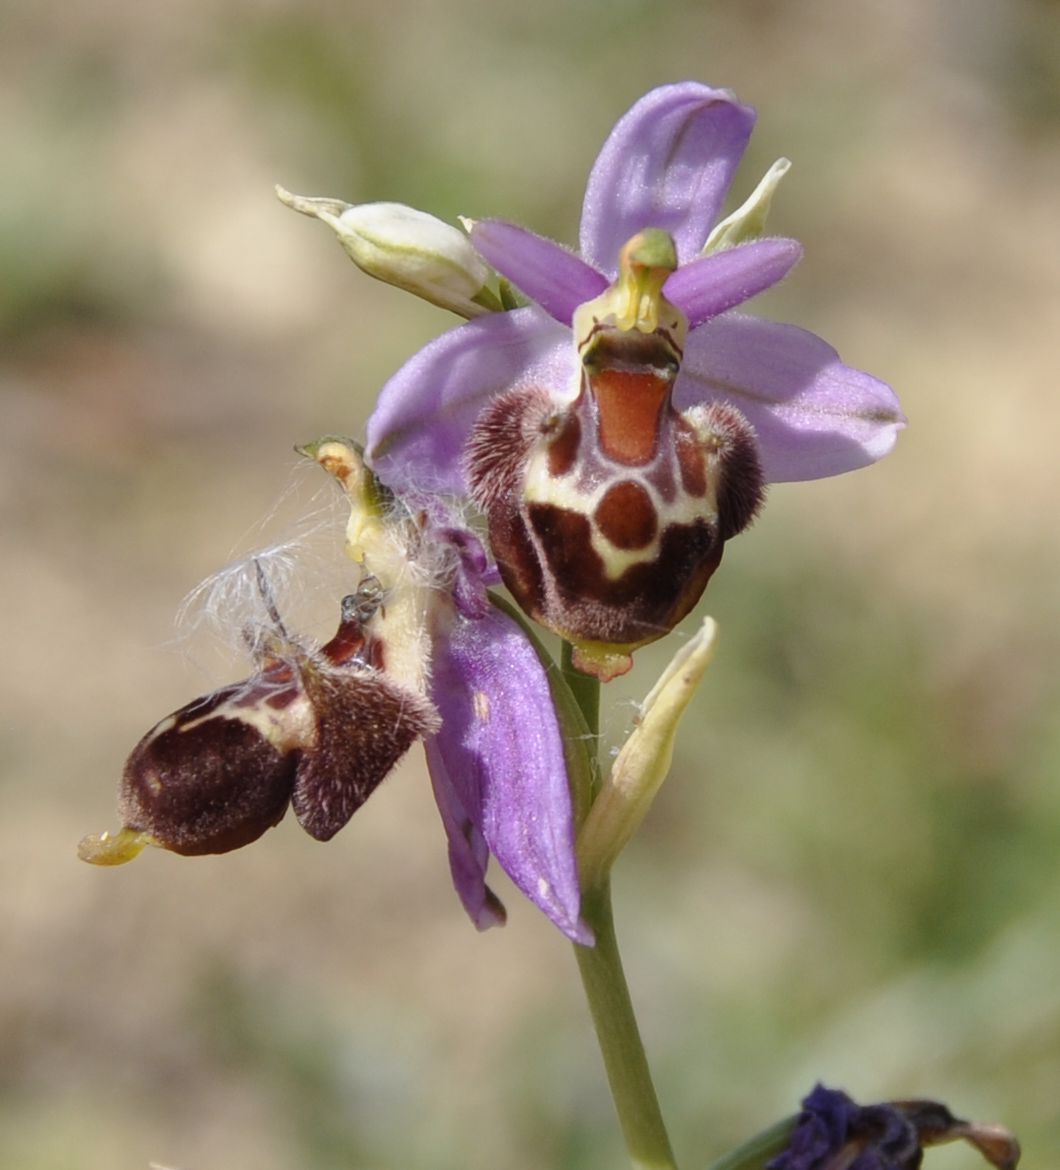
{"x":834,"y":1133}
{"x":617,"y":431}
{"x":314,"y":730}
{"x":420,"y":653}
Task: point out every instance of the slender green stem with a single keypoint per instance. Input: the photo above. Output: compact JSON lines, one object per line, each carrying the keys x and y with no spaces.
{"x":606,"y":989}
{"x":620,"y":1043}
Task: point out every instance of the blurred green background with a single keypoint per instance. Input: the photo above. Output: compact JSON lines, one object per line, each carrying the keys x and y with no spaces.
{"x":854,"y":872}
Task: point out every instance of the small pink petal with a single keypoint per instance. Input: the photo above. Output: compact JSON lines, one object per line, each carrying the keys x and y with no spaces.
{"x":714,"y":284}
{"x":545,"y":271}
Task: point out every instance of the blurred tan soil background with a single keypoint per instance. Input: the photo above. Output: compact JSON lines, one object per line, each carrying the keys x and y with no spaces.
{"x":853,"y":873}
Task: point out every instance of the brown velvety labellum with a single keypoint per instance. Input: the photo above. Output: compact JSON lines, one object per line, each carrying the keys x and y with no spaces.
{"x":320,"y":730}
{"x":607,"y":516}
{"x":206,"y":780}
{"x":365,"y":724}
{"x":583,"y":603}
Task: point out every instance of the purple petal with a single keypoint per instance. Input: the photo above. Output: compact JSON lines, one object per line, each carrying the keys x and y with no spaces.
{"x":501,"y":748}
{"x":820,"y":1133}
{"x":468,"y":852}
{"x":813,"y":415}
{"x":713,"y":284}
{"x":425,"y":412}
{"x":667,"y":164}
{"x":473,"y":570}
{"x":545,"y":271}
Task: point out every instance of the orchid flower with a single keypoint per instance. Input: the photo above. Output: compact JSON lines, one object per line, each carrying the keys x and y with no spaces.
{"x":620,"y":428}
{"x":420,"y":653}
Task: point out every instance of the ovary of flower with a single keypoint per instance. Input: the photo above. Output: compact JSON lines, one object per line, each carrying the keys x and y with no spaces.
{"x":644,"y":760}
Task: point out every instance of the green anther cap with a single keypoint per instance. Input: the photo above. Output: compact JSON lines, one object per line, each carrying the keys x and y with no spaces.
{"x":635,"y":302}
{"x":651,"y":248}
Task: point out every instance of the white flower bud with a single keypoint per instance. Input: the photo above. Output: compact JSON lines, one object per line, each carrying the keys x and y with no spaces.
{"x":407,"y":248}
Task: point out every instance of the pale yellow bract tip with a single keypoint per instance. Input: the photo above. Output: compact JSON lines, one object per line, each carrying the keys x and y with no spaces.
{"x":112,"y":848}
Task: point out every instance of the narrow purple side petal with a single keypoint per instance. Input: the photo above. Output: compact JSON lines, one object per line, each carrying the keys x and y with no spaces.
{"x":500,"y":745}
{"x":468,"y":852}
{"x":713,"y":284}
{"x":473,"y":572}
{"x":814,"y":416}
{"x":425,"y":412}
{"x":668,"y":164}
{"x":542,"y":269}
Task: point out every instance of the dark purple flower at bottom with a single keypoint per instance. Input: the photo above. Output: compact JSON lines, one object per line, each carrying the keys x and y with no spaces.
{"x":835,"y":1133}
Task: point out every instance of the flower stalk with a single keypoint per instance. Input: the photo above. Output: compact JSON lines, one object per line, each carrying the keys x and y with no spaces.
{"x":618,"y":808}
{"x":625,"y":1061}
{"x":607,"y":992}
